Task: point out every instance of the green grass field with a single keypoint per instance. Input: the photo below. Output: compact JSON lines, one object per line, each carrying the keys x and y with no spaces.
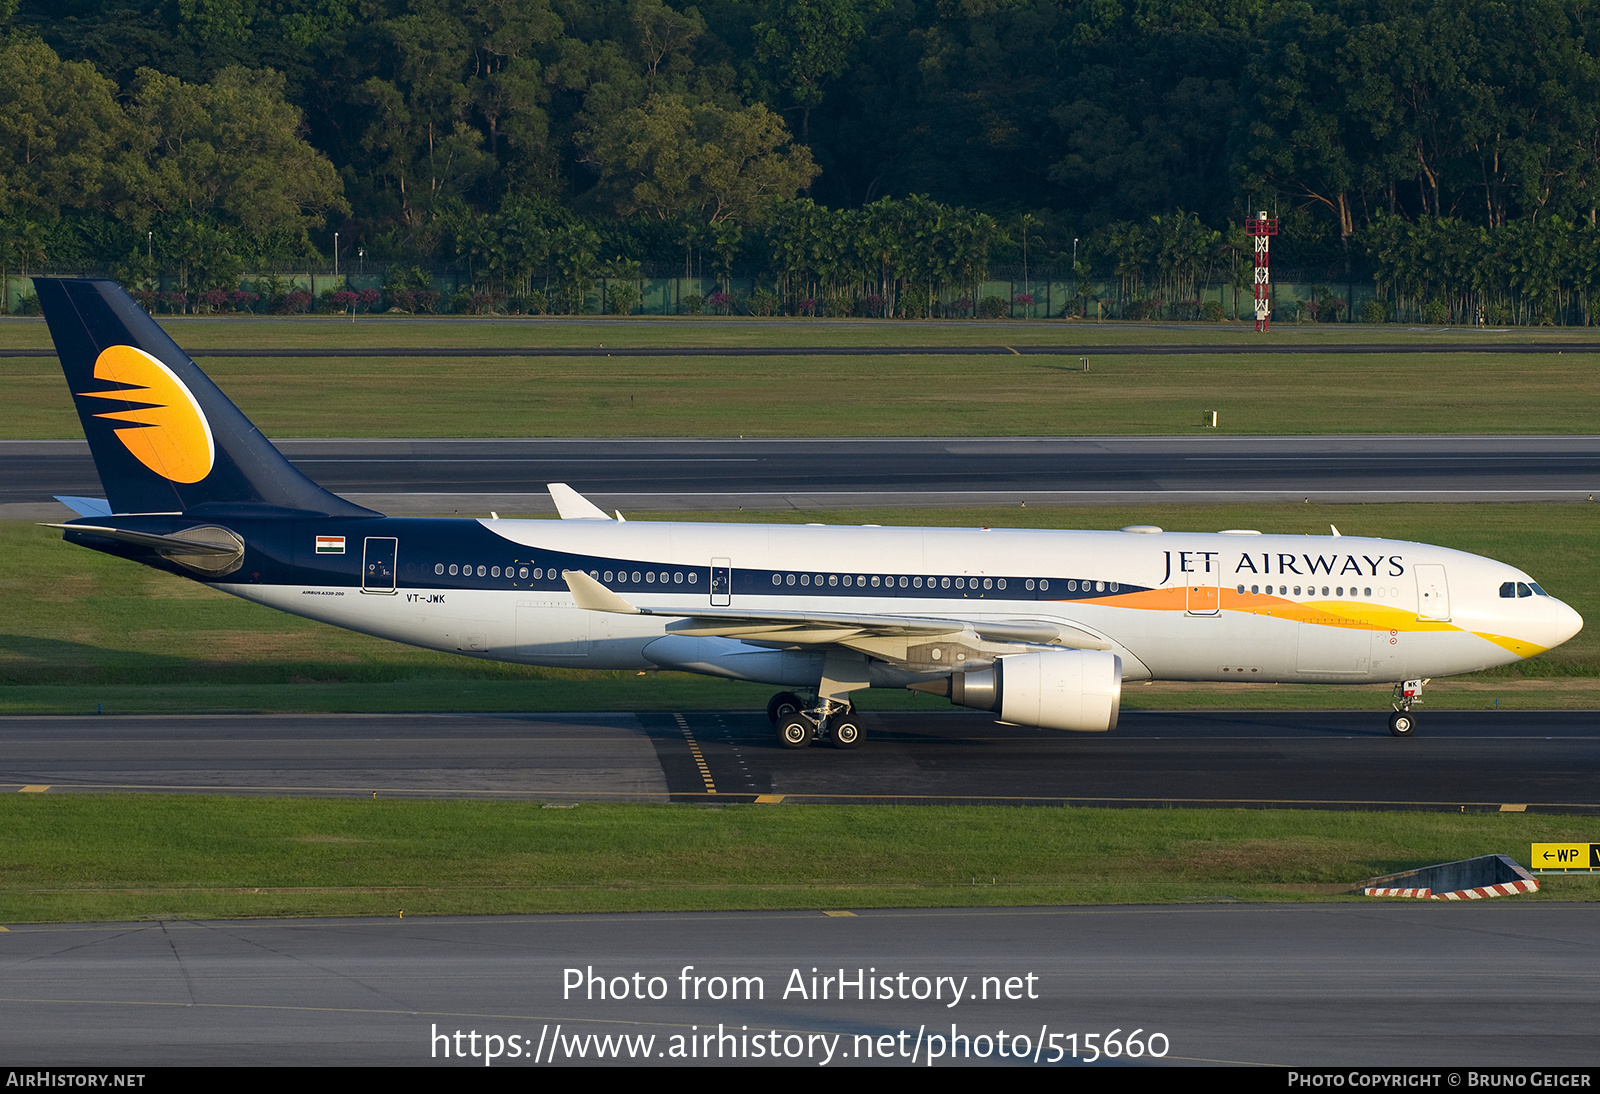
{"x":84,"y":631}
{"x":904,"y":395}
{"x":106,"y":857}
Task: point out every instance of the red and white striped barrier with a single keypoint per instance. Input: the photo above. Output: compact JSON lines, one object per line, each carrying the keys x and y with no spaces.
{"x":1481,"y":893}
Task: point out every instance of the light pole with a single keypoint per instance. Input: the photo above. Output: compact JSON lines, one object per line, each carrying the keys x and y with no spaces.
{"x":1029,"y":304}
{"x":335,"y":258}
{"x":1075,"y":266}
{"x":150,"y":246}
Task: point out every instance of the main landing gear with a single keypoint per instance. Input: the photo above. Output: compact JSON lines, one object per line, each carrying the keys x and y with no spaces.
{"x":1402,"y":723}
{"x":799,"y":725}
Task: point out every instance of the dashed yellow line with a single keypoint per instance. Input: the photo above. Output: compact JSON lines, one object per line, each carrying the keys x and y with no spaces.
{"x":694,"y":750}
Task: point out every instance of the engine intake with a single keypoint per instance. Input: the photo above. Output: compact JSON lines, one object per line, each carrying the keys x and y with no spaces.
{"x":1078,"y":690}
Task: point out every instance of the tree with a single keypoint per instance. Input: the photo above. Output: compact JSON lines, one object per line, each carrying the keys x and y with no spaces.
{"x":809,"y":42}
{"x":662,"y":35}
{"x":59,"y":127}
{"x":668,"y":157}
{"x":230,"y":149}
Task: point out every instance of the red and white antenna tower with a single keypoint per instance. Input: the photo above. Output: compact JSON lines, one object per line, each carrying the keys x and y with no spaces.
{"x":1262,"y":227}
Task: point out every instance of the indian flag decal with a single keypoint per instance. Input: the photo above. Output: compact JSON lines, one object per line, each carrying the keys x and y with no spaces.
{"x":330,"y":545}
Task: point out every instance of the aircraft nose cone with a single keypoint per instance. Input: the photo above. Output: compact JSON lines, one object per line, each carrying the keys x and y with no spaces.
{"x":1564,"y":622}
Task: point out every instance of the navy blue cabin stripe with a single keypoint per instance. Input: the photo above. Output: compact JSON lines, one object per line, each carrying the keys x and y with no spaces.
{"x":285,"y":553}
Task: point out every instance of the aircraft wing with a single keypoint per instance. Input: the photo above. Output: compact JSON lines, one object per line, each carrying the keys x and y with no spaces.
{"x":853,"y":630}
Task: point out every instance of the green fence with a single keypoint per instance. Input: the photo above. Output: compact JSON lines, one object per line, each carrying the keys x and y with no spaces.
{"x":1049,"y":298}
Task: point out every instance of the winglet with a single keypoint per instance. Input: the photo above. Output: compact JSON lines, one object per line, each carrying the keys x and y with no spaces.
{"x":573,"y":505}
{"x":592,"y":596}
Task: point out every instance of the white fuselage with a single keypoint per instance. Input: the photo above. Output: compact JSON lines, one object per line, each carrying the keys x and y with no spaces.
{"x":1171,"y":605}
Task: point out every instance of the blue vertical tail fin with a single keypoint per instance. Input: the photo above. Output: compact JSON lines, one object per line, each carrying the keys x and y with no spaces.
{"x":164,"y":437}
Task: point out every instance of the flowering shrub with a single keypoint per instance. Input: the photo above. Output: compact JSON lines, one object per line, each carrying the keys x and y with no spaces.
{"x":242,"y":301}
{"x":342,"y":301}
{"x":808,"y":306}
{"x":175,"y":302}
{"x":723,"y":300}
{"x":479,"y":303}
{"x":368,"y":298}
{"x":294,"y":302}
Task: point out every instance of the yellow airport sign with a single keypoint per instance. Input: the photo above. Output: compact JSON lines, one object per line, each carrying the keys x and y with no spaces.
{"x":1565,"y":856}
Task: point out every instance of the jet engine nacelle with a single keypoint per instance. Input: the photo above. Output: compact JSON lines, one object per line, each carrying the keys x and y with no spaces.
{"x":1058,"y":689}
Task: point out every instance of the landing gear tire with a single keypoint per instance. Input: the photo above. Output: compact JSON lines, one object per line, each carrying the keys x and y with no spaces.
{"x":1402,"y":723}
{"x":783,"y":706}
{"x":795,"y":732}
{"x":846,"y":732}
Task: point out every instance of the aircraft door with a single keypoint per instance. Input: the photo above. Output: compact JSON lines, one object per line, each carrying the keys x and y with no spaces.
{"x":721,"y":582}
{"x":1204,"y":598}
{"x":378,"y":564}
{"x":1433,"y":593}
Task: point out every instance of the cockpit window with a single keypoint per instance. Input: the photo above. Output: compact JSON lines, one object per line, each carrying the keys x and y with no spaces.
{"x":1520,"y":589}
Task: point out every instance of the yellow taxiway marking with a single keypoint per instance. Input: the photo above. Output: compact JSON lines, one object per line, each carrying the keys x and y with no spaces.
{"x":850,"y":915}
{"x":768,"y":799}
{"x":34,"y":789}
{"x":1513,"y":809}
{"x":696,"y":755}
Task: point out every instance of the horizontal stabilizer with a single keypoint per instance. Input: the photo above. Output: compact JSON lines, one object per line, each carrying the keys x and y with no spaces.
{"x":85,"y":507}
{"x":207,"y":548}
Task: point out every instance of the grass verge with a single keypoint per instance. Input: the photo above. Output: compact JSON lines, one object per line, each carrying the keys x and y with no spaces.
{"x":913,"y":394}
{"x":107,"y":857}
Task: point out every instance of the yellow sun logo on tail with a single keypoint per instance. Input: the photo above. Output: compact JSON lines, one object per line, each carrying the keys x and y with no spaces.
{"x":168,"y":434}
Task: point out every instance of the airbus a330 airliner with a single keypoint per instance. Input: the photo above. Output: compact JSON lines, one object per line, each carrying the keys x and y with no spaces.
{"x":1039,"y":627}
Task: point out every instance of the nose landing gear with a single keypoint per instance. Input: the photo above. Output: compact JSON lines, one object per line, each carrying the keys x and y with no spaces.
{"x":1402,"y":723}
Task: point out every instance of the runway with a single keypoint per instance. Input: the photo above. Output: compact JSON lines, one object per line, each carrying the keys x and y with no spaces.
{"x":1543,"y":761}
{"x":1350,"y":985}
{"x":477,"y":476}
